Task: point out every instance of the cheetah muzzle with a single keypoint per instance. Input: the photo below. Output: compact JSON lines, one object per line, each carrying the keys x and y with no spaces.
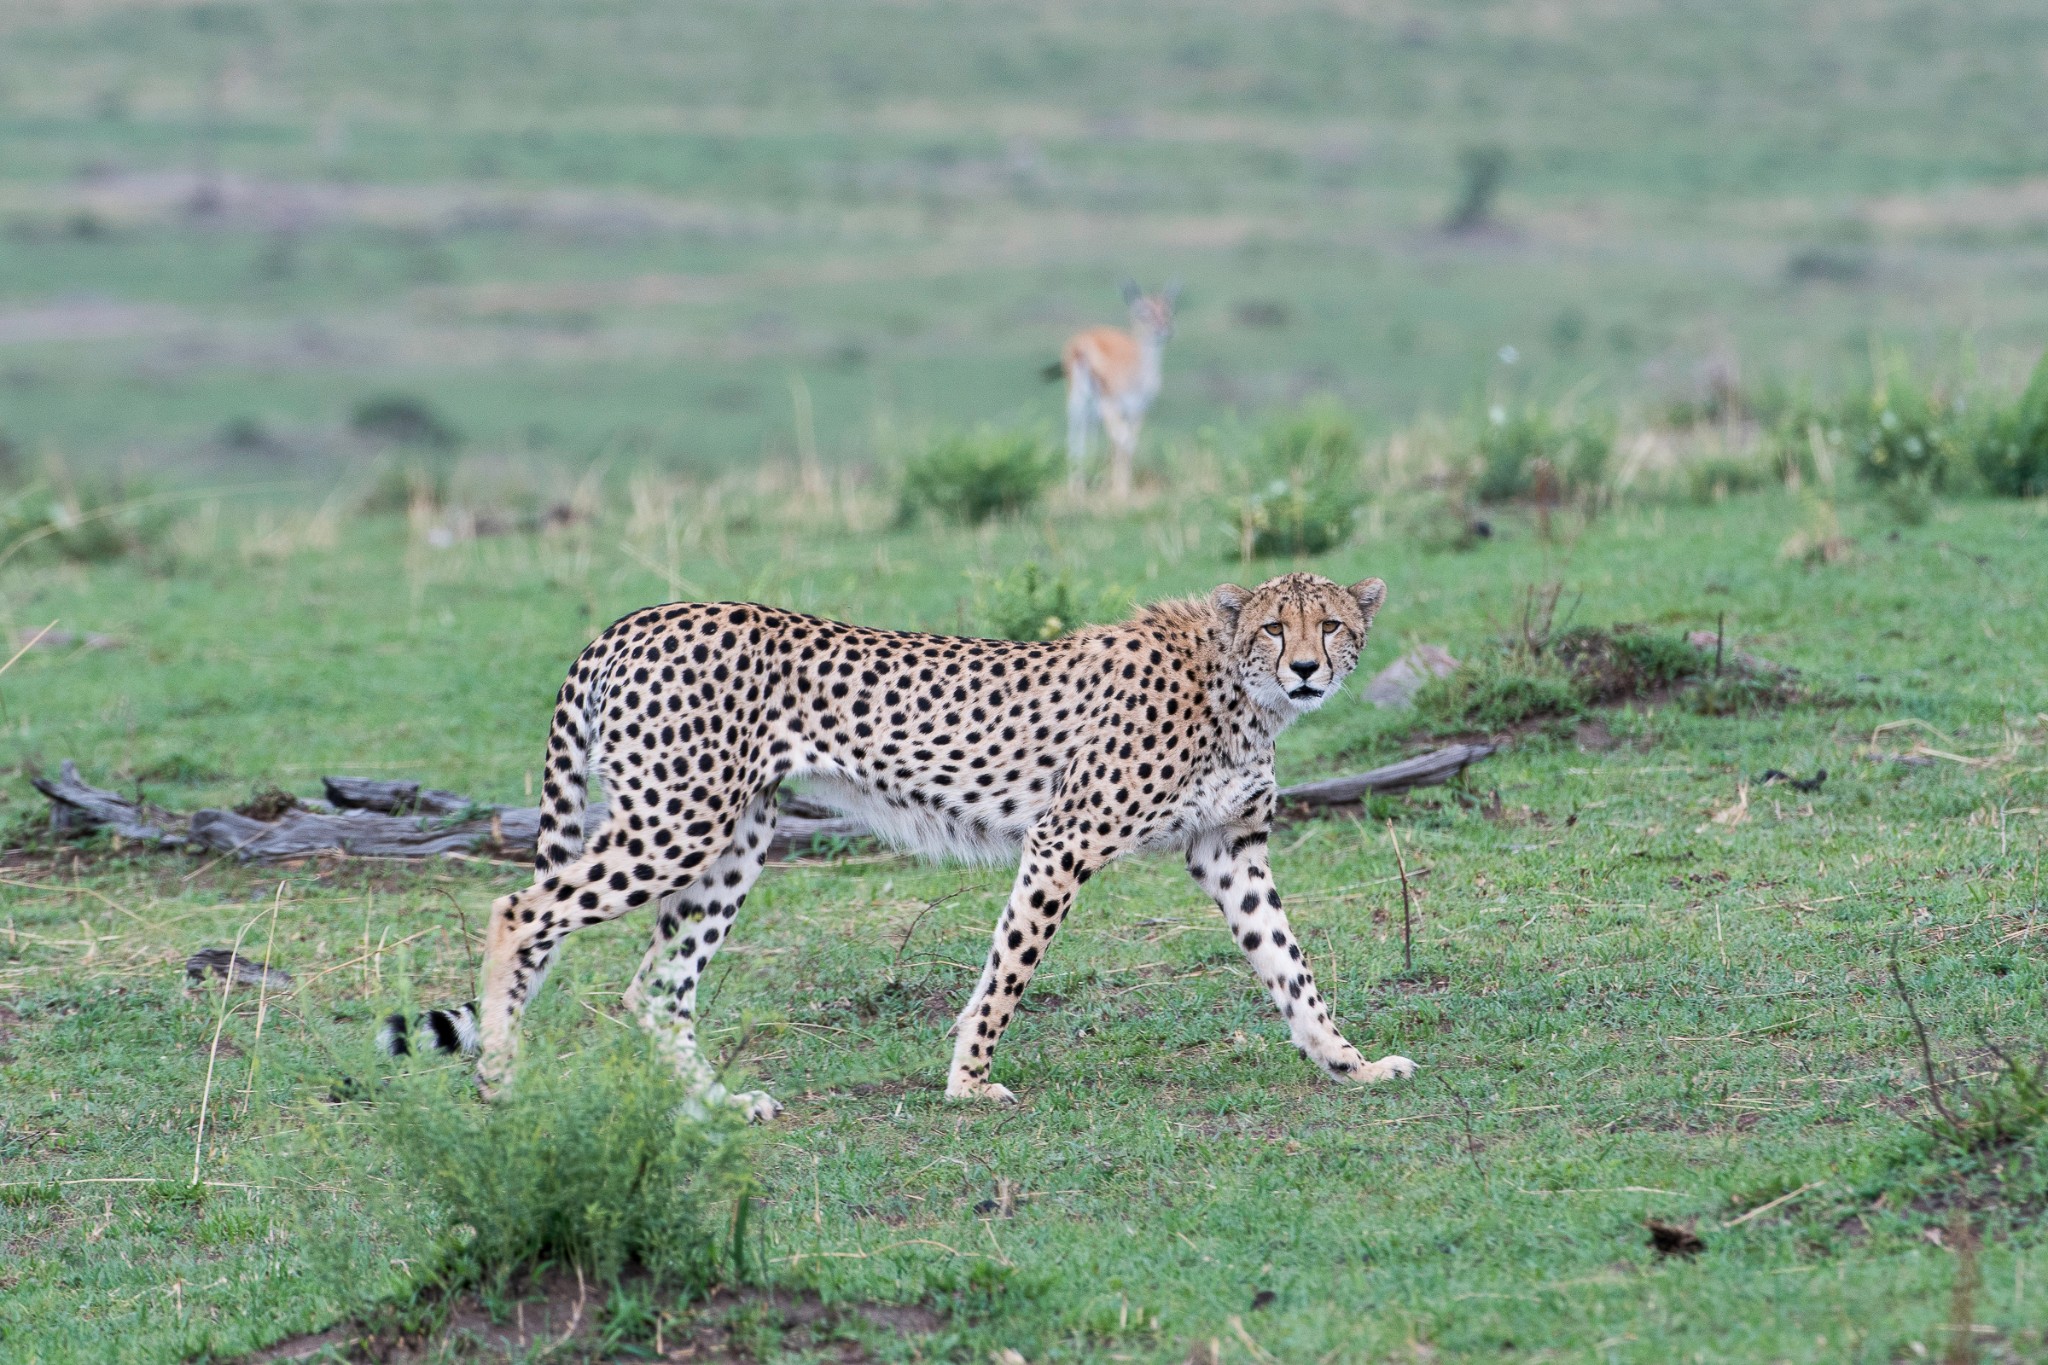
{"x":1155,"y":733}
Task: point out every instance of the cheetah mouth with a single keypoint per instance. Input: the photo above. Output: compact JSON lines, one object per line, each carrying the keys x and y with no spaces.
{"x":1305,"y":693}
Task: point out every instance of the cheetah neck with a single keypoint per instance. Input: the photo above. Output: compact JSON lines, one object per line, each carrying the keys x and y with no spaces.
{"x":1252,"y":727}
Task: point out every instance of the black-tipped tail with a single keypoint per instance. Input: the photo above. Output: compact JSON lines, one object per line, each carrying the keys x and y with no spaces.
{"x":1056,"y":370}
{"x":441,"y":1031}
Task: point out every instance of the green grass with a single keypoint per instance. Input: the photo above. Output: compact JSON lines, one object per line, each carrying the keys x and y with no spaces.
{"x":633,"y":224}
{"x":1622,"y":1007}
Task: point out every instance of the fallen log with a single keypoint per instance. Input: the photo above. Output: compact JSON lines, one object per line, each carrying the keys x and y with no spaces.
{"x":76,"y":808}
{"x":366,"y":818}
{"x":1424,"y":770}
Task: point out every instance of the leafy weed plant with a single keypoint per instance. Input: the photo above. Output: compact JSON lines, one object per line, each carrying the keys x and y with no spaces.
{"x":1304,"y":489}
{"x":1978,"y":1118}
{"x":974,"y":477}
{"x":2009,"y":445}
{"x":1545,"y":676}
{"x":600,"y":1166}
{"x":1031,"y":604}
{"x":1519,"y":449}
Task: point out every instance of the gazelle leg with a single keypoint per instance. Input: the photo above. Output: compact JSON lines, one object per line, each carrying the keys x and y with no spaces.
{"x":1080,"y":412}
{"x":1123,"y":448}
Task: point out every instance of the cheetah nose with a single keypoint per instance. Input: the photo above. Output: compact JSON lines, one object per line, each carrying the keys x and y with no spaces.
{"x":1306,"y":668}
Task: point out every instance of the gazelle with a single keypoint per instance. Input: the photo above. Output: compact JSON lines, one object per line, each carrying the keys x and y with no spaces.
{"x":1113,"y":376}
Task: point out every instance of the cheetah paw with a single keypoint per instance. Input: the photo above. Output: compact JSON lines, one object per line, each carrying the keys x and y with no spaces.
{"x":758,"y":1105}
{"x":1387,"y":1069}
{"x":979,"y":1090}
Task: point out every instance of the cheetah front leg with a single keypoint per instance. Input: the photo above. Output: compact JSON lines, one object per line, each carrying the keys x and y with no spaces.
{"x":1051,"y":872}
{"x":1231,"y":865}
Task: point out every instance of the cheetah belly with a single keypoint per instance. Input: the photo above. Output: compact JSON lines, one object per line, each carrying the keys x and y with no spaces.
{"x":925,"y":830}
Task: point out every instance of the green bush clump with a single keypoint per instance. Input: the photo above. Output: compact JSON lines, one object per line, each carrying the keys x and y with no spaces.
{"x":2010,"y":444}
{"x":1497,"y":691}
{"x":1561,"y":675}
{"x":1898,"y":431}
{"x":1030,"y":604}
{"x":1303,"y":490}
{"x":601,"y":1166}
{"x":972,"y":477}
{"x":397,"y":486}
{"x":1610,"y":663}
{"x":404,"y":419}
{"x":1515,"y":446}
{"x":1739,"y":692}
{"x":1721,"y":476}
{"x":87,"y":521}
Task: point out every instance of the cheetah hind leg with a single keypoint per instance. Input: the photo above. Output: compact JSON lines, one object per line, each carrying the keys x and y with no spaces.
{"x":689,"y":927}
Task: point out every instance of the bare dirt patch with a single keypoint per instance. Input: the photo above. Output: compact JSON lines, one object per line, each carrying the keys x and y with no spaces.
{"x":561,"y":1317}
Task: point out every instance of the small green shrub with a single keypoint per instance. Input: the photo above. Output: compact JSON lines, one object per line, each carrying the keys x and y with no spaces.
{"x":178,"y":768}
{"x":1482,"y":169}
{"x":400,"y":484}
{"x":596,"y":1165}
{"x":1722,"y":476}
{"x":1898,"y":431}
{"x":1609,"y":664}
{"x":2009,"y":445}
{"x":1909,"y":501}
{"x":1498,"y":691}
{"x":13,"y":469}
{"x":1513,"y":446}
{"x":1556,"y":676}
{"x":403,"y":419}
{"x":1738,"y":693}
{"x":1788,"y":447}
{"x":1442,"y":520}
{"x":87,"y":521}
{"x":971,"y":477}
{"x":1029,"y":604}
{"x":1302,"y":481}
{"x":1971,"y":1116}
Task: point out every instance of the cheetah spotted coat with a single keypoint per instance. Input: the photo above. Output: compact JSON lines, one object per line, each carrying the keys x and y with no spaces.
{"x":1156,"y":733}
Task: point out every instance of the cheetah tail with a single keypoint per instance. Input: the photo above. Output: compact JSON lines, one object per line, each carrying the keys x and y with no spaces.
{"x":451,"y":1030}
{"x":565,"y":784}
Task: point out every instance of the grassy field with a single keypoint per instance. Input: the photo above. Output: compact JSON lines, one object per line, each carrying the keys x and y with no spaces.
{"x":1627,"y":1002}
{"x":629,"y":228}
{"x":647,"y":258}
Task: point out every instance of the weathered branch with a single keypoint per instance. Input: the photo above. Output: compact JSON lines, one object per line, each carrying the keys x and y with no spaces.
{"x":76,"y":808}
{"x":1424,"y":770}
{"x":372,"y":819}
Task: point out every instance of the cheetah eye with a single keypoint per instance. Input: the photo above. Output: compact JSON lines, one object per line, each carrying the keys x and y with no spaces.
{"x":1274,"y":629}
{"x":1330,"y":626}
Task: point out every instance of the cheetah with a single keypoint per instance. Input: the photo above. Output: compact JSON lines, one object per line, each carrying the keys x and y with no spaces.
{"x":1156,"y":733}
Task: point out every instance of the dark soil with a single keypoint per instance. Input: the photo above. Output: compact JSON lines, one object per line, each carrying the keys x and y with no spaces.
{"x":561,"y":1317}
{"x":268,"y":804}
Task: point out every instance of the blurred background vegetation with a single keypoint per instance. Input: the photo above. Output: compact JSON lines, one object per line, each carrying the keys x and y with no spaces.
{"x":268,"y":243}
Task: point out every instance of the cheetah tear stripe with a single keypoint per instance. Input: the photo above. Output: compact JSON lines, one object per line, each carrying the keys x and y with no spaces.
{"x":1065,"y":755}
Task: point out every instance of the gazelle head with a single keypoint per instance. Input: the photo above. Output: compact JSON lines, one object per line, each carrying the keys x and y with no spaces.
{"x":1151,"y":314}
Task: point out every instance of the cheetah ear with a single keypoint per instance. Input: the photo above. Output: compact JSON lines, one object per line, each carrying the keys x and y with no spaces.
{"x":1371,"y":595}
{"x":1228,"y":601}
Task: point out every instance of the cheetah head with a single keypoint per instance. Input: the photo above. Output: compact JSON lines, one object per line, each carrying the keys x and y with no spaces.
{"x":1294,"y":638}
